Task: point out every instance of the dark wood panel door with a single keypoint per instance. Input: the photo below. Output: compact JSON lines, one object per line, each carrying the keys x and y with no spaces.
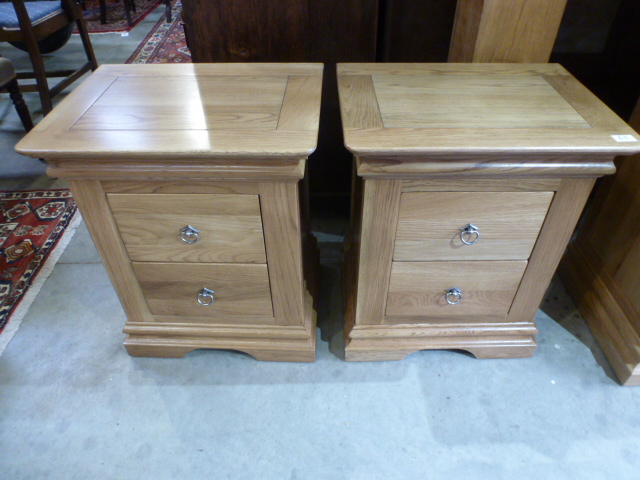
{"x":281,"y":30}
{"x":416,"y":31}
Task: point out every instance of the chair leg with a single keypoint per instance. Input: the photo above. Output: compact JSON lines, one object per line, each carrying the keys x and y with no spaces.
{"x":40,"y":75}
{"x":86,"y":43}
{"x":128,"y":8}
{"x":103,"y":12}
{"x":168,"y":8}
{"x":18,"y":101}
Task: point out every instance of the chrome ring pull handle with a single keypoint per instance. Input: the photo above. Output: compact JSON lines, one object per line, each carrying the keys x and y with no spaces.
{"x":453,"y":296}
{"x":205,"y":297}
{"x":189,"y":234}
{"x":469,"y":234}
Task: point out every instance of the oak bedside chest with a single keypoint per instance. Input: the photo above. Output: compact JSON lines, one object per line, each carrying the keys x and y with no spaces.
{"x":191,"y":181}
{"x":469,"y":180}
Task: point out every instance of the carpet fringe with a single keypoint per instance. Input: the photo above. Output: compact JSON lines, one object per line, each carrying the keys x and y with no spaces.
{"x":41,"y":277}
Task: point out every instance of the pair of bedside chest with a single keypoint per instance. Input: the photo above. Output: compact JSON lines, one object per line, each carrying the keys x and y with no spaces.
{"x":468,"y":182}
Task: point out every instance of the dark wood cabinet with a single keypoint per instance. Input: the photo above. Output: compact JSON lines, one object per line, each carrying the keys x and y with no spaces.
{"x":416,"y":31}
{"x":281,"y":30}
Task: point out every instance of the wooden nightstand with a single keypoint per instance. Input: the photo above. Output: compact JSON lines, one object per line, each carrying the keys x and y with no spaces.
{"x":191,"y":181}
{"x":469,"y":180}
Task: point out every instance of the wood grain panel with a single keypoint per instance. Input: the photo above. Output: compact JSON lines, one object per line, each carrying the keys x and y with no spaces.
{"x":505,"y":31}
{"x":181,"y":187}
{"x":282,"y":230}
{"x":230,"y":227}
{"x":394,"y":142}
{"x":556,"y":231}
{"x":358,"y":102}
{"x":479,"y":184}
{"x":597,"y":114}
{"x":406,"y":69}
{"x":429,"y":225}
{"x":167,"y":169}
{"x":206,"y":112}
{"x":207,"y":69}
{"x":67,"y":111}
{"x":258,"y":91}
{"x":205,"y":103}
{"x":466,"y":27}
{"x":301,"y":104}
{"x":419,"y":288}
{"x":472,"y":101}
{"x":476,"y":109}
{"x":379,"y":217}
{"x":196,"y":144}
{"x":93,"y":205}
{"x":485,"y":167}
{"x":172,"y":289}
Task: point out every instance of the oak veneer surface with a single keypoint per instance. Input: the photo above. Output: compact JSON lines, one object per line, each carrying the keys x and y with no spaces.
{"x":602,"y":267}
{"x":427,"y":231}
{"x":452,"y":109}
{"x":151,"y":150}
{"x":230,"y":227}
{"x":196,"y":111}
{"x":513,"y":149}
{"x":169,"y":288}
{"x":488,"y":287}
{"x":505,"y":31}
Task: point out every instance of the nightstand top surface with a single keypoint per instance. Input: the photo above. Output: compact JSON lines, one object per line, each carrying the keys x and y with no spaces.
{"x":452,"y":109}
{"x":187,"y":111}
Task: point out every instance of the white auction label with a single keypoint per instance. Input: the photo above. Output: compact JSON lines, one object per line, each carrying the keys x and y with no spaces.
{"x":624,"y":138}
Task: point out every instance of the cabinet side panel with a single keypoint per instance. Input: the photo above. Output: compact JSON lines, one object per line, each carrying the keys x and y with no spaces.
{"x":561,"y":220}
{"x":92,"y":201}
{"x":379,"y":220}
{"x":282,"y":230}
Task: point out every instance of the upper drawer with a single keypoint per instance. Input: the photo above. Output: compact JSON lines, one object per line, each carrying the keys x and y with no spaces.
{"x":230,"y":227}
{"x":430,"y":223}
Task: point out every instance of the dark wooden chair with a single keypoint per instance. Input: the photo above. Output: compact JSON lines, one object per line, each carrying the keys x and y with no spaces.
{"x":42,"y":27}
{"x":9,"y":82}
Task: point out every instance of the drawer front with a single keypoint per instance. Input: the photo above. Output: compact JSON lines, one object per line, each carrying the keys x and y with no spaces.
{"x":430,"y":223}
{"x":173,"y":288}
{"x":230,"y":227}
{"x":419,"y":288}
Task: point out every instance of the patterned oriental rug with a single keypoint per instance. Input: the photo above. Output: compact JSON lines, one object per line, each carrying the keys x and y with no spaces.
{"x":165,"y":43}
{"x":116,"y":19}
{"x":35,"y":228}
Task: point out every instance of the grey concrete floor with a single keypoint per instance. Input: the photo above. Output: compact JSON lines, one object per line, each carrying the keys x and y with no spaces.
{"x":74,"y":405}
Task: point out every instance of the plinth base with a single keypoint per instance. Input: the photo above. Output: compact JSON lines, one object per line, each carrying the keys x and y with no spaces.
{"x":401,"y":341}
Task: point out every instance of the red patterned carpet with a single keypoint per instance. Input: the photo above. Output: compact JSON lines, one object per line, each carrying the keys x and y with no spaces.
{"x":116,"y":19}
{"x":35,"y":227}
{"x":165,"y":43}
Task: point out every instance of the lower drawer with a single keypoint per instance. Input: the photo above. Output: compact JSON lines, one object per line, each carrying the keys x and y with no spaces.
{"x":420,"y":288}
{"x":173,"y":289}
